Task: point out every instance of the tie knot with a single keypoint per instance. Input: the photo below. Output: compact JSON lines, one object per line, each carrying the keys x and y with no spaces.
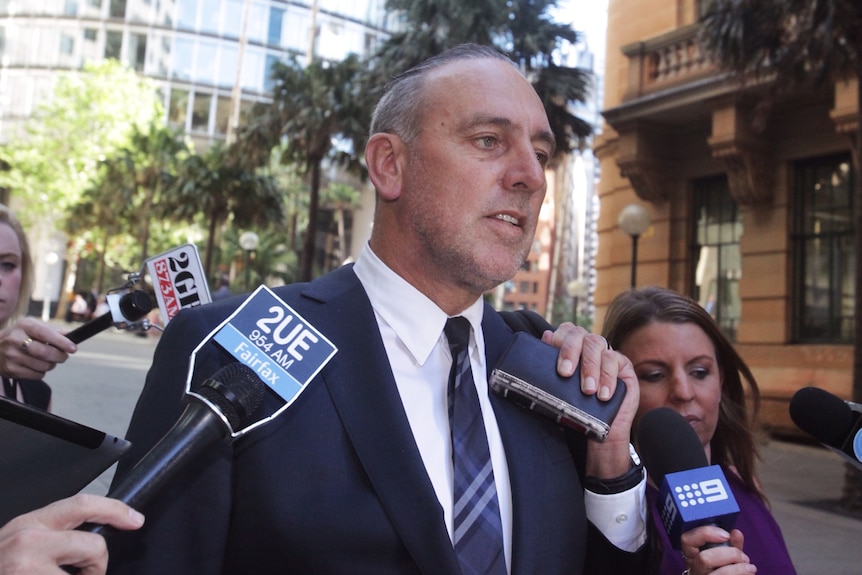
{"x":457,"y":331}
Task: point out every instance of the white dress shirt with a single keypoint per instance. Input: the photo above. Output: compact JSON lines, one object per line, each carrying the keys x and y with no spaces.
{"x":411,"y":326}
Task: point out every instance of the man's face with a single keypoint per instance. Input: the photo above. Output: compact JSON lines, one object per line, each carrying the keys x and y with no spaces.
{"x":475,"y":179}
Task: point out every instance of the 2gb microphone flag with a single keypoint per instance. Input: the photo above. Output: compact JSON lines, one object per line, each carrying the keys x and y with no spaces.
{"x":179,"y":280}
{"x":271,"y":338}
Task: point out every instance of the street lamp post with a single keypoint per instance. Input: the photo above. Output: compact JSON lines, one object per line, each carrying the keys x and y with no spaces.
{"x":248,"y":242}
{"x":634,"y":220}
{"x":51,"y":258}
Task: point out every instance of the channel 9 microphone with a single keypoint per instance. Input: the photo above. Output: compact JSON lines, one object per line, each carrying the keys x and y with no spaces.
{"x":232,"y":394}
{"x":835,"y":423}
{"x":692,"y":493}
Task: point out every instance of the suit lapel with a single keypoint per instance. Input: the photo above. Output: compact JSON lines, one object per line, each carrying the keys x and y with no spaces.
{"x":364,"y":393}
{"x":525,"y":442}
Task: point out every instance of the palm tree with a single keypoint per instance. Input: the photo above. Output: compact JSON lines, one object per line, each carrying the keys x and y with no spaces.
{"x":312,"y":106}
{"x":523,"y":29}
{"x":219,"y":187}
{"x":147,"y":166}
{"x":101,"y":212}
{"x":786,"y":44}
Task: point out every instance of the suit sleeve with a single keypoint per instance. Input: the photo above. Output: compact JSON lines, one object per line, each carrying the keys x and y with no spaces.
{"x":187,"y":522}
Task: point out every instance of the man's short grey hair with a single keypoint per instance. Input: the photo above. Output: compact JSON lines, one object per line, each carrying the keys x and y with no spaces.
{"x":400,"y":109}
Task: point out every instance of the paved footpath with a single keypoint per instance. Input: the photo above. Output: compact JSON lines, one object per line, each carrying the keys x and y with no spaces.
{"x":100,"y":384}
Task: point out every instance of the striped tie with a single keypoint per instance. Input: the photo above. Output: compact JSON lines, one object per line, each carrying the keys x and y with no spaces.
{"x":478,"y":531}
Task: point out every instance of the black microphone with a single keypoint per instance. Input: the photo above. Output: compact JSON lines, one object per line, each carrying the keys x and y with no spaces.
{"x":132,"y":306}
{"x":235,"y":391}
{"x":830,"y":420}
{"x":692,"y":493}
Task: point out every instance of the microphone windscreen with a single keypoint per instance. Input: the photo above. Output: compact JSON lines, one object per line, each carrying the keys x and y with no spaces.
{"x":236,"y":391}
{"x":826,"y":417}
{"x":668,"y":444}
{"x":135,"y":305}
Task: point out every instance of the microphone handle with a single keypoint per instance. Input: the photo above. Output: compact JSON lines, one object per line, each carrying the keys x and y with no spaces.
{"x":197,"y":428}
{"x":133,"y":306}
{"x":91,"y":328}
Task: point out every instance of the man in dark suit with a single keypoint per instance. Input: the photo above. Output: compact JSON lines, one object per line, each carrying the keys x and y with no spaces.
{"x":355,"y":477}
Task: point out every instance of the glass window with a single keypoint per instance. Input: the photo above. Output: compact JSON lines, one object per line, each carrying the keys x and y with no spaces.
{"x":205,"y":71}
{"x":252,"y":69}
{"x":71,"y":8}
{"x":229,"y":56}
{"x":178,"y":108}
{"x":90,"y":45}
{"x":184,"y":53}
{"x":139,"y":10}
{"x":137,"y":51}
{"x":210,"y":16}
{"x":67,"y":44}
{"x":187,"y":14}
{"x":117,"y":9}
{"x":232,"y":18}
{"x":268,"y":82}
{"x":256,"y":25}
{"x":201,"y":112}
{"x":296,"y":33}
{"x":113,"y":44}
{"x":276,"y":17}
{"x":717,"y":261}
{"x":823,"y":249}
{"x":222,"y":115}
{"x":158,"y":55}
{"x":90,"y":8}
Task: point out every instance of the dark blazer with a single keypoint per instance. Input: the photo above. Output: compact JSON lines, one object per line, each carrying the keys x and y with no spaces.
{"x":35,"y":392}
{"x":336,"y":485}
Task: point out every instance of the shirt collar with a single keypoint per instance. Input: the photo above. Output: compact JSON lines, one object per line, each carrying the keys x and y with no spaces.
{"x":416,"y":320}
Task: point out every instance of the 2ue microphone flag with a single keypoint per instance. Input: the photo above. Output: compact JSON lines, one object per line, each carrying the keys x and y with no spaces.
{"x":695,"y":497}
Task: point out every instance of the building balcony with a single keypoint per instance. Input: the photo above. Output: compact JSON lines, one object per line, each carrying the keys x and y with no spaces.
{"x":666,"y":61}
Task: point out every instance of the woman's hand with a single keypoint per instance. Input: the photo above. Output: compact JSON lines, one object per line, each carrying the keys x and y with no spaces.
{"x":723,"y":560}
{"x":29,"y":348}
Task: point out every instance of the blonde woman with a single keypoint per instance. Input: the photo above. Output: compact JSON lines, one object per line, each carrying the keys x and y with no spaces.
{"x":28,"y":347}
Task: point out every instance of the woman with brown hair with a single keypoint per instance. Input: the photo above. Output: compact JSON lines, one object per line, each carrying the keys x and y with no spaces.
{"x":684,"y":361}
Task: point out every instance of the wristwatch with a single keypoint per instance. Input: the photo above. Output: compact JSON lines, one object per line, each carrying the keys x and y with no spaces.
{"x":624,"y":482}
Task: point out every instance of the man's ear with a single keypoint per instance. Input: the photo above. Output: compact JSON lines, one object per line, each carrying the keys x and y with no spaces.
{"x":384,"y":157}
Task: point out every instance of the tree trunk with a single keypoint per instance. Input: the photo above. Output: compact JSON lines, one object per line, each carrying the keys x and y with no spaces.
{"x":100,"y":282}
{"x":851,"y":497}
{"x":145,"y":222}
{"x":210,"y":245}
{"x":306,"y":268}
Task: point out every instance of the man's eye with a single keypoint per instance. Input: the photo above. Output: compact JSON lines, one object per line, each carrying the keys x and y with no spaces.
{"x":543,"y":158}
{"x":487,"y":141}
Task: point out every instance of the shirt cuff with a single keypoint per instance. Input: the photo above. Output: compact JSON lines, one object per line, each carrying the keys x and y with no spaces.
{"x":621,"y":517}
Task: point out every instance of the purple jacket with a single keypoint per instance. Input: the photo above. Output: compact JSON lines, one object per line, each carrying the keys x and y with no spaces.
{"x":764,"y":543}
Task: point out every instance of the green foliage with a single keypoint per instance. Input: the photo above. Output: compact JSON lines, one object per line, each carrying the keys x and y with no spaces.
{"x":523,"y":29}
{"x":116,"y":210}
{"x":787,"y":41}
{"x":273,"y":262}
{"x":563,"y":310}
{"x":91,"y":114}
{"x":217,"y":188}
{"x":312,"y":106}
